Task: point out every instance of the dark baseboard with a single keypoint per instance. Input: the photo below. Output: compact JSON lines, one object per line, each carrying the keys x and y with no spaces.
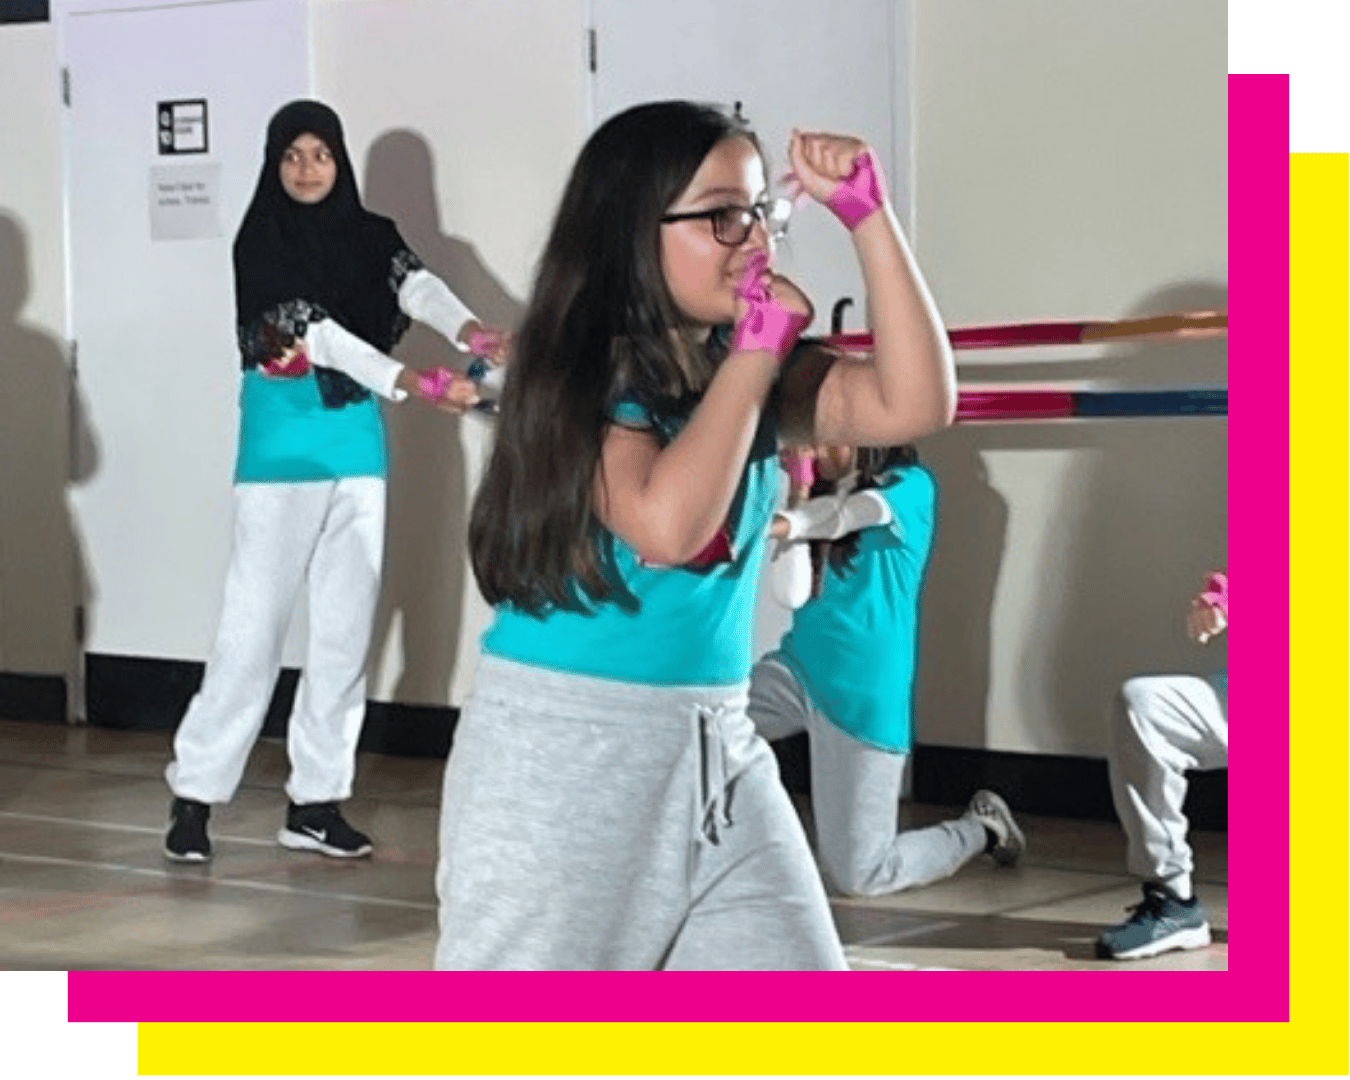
{"x":25,"y":11}
{"x":140,"y":694}
{"x":143,"y":694}
{"x":408,"y":730}
{"x":1049,"y":784}
{"x":36,"y":698}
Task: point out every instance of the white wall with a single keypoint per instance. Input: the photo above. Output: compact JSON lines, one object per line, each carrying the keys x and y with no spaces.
{"x":1070,"y":164}
{"x":39,"y":579}
{"x":462,"y":120}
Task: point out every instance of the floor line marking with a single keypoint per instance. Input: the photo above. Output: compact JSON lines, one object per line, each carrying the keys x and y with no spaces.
{"x":109,"y":826}
{"x":913,"y":931}
{"x":237,"y":883}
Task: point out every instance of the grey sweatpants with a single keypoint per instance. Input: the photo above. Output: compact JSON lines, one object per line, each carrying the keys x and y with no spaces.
{"x":855,"y":798}
{"x":1163,"y":726}
{"x":329,"y":534}
{"x":589,"y":824}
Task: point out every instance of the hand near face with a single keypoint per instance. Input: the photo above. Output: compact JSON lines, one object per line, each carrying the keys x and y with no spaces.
{"x":776,"y":290}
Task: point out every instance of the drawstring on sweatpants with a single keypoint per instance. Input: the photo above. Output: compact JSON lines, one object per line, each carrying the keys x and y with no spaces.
{"x":713,"y":753}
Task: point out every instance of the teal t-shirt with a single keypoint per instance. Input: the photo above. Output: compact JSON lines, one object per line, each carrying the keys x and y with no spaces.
{"x":287,"y":435}
{"x":854,"y":647}
{"x":684,"y":626}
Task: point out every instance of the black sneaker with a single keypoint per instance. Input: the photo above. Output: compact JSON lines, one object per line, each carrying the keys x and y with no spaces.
{"x":321,"y":827}
{"x":1160,"y":922}
{"x":187,"y":840}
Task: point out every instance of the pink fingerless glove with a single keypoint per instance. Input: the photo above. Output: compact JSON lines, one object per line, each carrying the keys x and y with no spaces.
{"x":485,"y":343}
{"x":293,"y":368}
{"x":766,"y":324}
{"x":434,"y":383}
{"x":860,"y":193}
{"x":1216,"y":592}
{"x":801,"y":470}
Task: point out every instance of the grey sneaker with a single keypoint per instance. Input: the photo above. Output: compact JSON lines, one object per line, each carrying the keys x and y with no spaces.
{"x":1162,"y":921}
{"x":992,"y":812}
{"x":321,"y":827}
{"x":187,"y":840}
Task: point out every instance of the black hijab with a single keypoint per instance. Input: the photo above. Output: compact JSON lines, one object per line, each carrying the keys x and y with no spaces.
{"x":295,"y":264}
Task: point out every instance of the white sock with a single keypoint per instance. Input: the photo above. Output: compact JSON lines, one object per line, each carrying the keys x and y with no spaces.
{"x":1181,"y":886}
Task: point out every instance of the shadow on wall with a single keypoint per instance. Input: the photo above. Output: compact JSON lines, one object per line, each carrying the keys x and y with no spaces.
{"x":425,"y":567}
{"x":955,"y":637}
{"x":1145,"y":515}
{"x":46,"y":444}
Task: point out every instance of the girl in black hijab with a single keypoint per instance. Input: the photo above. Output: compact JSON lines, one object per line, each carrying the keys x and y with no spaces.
{"x":323,"y":290}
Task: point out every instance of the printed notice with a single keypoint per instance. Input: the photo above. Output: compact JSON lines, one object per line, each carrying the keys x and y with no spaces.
{"x":184,"y":202}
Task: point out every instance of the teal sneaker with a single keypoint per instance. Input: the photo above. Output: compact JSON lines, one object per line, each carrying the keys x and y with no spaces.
{"x":1162,"y":921}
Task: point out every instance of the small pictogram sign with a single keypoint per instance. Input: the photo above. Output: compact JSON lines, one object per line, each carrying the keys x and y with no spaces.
{"x":182,"y":127}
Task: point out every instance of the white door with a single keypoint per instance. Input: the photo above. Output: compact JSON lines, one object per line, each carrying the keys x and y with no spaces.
{"x":839,"y":66}
{"x":151,"y":291}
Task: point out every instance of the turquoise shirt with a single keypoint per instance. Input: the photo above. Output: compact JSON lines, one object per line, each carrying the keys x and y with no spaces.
{"x":286,"y":434}
{"x":687,"y":627}
{"x":853,"y":648}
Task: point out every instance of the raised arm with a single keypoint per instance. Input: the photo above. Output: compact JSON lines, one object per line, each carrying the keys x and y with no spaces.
{"x":908,"y":387}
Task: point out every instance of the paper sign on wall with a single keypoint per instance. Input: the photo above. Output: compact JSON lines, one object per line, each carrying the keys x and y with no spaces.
{"x":184,"y":202}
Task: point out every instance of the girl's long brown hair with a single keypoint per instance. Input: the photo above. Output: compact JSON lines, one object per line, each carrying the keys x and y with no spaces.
{"x":600,"y":326}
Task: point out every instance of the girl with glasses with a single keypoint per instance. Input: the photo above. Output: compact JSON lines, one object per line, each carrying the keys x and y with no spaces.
{"x":323,"y":290}
{"x":607,"y":804}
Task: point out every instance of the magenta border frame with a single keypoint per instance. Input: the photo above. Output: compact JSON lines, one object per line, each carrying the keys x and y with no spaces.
{"x":1256,"y":986}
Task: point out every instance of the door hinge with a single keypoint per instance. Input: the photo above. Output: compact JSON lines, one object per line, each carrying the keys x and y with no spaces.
{"x":65,"y":86}
{"x":592,"y":49}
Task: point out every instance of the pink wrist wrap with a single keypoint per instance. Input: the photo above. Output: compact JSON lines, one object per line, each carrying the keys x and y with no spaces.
{"x":296,"y":366}
{"x":1216,"y":592}
{"x":802,"y":470}
{"x":433,"y":383}
{"x":766,"y":324}
{"x":860,"y":193}
{"x":484,"y":343}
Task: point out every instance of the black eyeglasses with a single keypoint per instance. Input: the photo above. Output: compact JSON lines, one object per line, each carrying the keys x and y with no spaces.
{"x":732,"y":224}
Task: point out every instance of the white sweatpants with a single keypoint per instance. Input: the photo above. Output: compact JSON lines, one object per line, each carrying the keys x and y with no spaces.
{"x":331,"y":534}
{"x":855,"y":798}
{"x":1165,"y":725}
